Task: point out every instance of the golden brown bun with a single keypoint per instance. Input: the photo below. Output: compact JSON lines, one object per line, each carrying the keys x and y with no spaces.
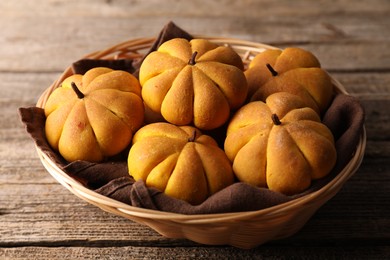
{"x":102,"y":122}
{"x":180,"y":161}
{"x":201,"y":93}
{"x":284,"y":157}
{"x":297,"y":71}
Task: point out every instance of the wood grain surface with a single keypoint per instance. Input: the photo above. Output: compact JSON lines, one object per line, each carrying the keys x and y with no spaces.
{"x":40,"y":219}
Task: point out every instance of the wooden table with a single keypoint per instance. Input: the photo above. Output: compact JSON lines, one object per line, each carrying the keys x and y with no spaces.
{"x":40,"y":219}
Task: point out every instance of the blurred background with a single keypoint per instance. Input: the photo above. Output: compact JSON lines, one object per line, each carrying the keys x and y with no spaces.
{"x":49,"y":34}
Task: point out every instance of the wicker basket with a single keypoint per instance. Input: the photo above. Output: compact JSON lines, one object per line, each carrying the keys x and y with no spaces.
{"x":241,"y":229}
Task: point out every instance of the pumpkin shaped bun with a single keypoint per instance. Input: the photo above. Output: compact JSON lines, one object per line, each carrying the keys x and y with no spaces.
{"x":93,"y":116}
{"x":180,"y":161}
{"x":280,"y":144}
{"x":292,"y":70}
{"x":193,"y":82}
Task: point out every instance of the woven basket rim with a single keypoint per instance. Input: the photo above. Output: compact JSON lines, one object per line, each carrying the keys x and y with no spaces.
{"x":126,"y":210}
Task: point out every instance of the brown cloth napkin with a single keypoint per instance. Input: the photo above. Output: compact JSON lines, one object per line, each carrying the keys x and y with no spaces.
{"x":169,"y":31}
{"x":345,"y":118}
{"x":82,"y":66}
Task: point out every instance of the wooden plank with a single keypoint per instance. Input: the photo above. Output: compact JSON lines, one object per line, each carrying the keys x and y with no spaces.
{"x":268,"y":252}
{"x":24,"y":88}
{"x":377,"y":119}
{"x":343,"y":36}
{"x":197,"y":8}
{"x":61,"y":52}
{"x":49,"y":214}
{"x":365,"y":85}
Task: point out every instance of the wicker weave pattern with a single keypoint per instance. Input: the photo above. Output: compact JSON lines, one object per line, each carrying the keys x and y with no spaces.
{"x":244,"y":229}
